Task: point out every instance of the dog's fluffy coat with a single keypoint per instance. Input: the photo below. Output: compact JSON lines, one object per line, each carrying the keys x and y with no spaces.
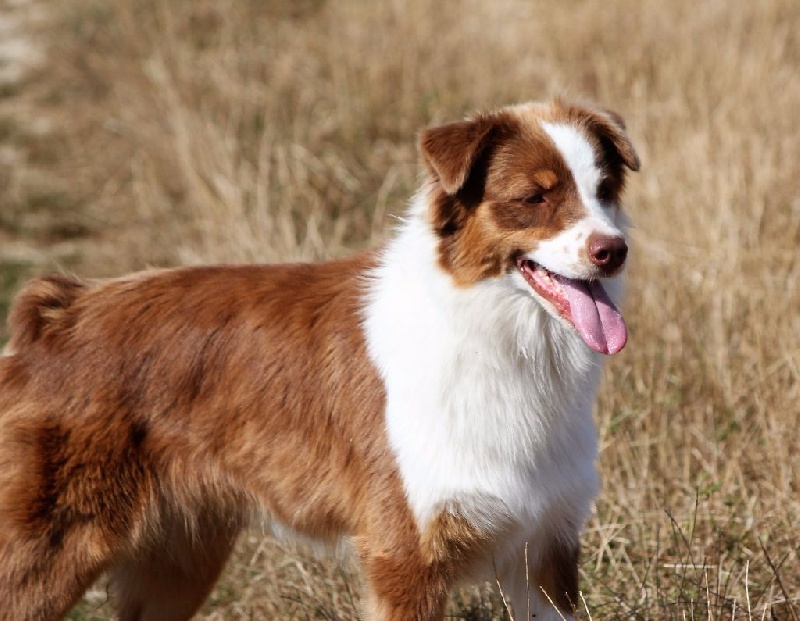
{"x":430,"y":400}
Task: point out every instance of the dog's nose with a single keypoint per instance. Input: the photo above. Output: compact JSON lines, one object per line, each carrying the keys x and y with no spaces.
{"x":607,"y":251}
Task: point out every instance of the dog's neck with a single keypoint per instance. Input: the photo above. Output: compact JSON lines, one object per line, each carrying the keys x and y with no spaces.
{"x":492,"y":326}
{"x":482,"y":373}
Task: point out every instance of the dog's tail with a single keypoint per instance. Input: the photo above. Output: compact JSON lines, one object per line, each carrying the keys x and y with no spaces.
{"x":39,"y":309}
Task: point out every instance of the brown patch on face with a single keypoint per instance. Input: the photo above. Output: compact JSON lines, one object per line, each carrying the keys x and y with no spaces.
{"x":517,"y":192}
{"x":529,"y":186}
{"x":545,"y":179}
{"x":509,"y":187}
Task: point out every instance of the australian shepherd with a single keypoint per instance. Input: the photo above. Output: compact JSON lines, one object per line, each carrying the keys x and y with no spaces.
{"x":430,"y":401}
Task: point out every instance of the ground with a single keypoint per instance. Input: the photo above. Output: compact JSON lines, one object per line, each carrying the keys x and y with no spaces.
{"x":150,"y":132}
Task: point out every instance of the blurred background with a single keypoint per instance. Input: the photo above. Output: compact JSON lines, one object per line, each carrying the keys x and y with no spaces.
{"x":139,"y":133}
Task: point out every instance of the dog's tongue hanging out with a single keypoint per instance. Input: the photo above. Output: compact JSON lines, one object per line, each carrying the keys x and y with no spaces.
{"x":594,"y":315}
{"x":584,"y":303}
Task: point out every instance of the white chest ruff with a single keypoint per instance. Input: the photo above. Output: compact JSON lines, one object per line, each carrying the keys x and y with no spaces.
{"x":487,"y":396}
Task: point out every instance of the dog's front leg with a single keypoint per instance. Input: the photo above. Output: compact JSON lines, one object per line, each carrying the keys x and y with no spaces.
{"x":547,"y":589}
{"x":409,"y":573}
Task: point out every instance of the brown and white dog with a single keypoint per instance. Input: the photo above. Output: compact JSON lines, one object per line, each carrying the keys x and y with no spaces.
{"x":430,"y":400}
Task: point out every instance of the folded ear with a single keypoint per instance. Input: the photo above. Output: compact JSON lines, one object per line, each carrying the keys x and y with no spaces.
{"x":451,"y":150}
{"x":609,"y":127}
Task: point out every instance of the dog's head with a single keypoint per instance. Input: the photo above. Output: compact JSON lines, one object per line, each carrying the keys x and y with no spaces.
{"x":532,"y":192}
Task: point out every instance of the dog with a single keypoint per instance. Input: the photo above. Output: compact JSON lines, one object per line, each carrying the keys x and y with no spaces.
{"x":429,"y":401}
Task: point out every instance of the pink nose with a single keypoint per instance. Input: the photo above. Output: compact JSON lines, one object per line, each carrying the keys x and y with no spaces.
{"x":607,"y":251}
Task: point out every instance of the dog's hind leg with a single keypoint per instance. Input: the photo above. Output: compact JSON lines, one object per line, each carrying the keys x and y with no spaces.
{"x":171,"y":578}
{"x":43,"y":574}
{"x":69,"y":505}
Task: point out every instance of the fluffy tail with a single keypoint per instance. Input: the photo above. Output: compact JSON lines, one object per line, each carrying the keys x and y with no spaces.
{"x":39,"y":309}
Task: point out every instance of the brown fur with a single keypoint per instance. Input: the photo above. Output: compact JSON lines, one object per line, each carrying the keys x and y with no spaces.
{"x":144,"y":419}
{"x":557,"y":574}
{"x":37,"y":314}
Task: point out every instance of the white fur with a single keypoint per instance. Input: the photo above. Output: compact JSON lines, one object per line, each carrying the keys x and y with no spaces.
{"x":488,"y":396}
{"x":565,"y":253}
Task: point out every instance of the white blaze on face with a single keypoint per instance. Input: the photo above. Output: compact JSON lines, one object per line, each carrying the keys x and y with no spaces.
{"x":565,"y":253}
{"x":560,"y":271}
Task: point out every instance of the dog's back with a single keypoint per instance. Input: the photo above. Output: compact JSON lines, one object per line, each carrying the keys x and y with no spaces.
{"x":430,"y":399}
{"x":147,"y":417}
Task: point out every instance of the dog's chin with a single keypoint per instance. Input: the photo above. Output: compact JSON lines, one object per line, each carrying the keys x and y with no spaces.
{"x":582,"y":305}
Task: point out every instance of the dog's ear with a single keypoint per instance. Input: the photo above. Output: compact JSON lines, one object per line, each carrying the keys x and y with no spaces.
{"x":451,"y":150}
{"x":609,"y":127}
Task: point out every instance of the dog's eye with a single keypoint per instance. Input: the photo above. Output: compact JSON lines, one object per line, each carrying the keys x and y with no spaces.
{"x":536,"y":198}
{"x":605,"y":191}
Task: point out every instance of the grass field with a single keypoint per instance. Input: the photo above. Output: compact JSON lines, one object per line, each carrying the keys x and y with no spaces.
{"x":158,"y":132}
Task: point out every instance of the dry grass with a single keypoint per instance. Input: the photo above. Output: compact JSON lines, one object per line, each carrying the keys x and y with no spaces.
{"x":165,"y":132}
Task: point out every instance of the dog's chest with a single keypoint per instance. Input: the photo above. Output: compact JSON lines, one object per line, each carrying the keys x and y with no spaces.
{"x":472,"y":414}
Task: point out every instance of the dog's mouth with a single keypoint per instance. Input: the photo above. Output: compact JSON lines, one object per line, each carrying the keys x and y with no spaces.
{"x":584,"y":304}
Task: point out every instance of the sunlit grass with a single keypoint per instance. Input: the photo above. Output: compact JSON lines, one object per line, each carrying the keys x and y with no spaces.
{"x":253,"y":131}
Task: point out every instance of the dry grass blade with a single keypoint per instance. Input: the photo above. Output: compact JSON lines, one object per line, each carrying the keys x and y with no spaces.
{"x":160,"y":132}
{"x":787,"y":599}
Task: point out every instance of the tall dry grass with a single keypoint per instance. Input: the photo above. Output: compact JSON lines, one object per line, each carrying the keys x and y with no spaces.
{"x":264,"y":131}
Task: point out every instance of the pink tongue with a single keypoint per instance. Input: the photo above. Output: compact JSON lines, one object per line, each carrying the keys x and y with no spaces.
{"x":598,"y":321}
